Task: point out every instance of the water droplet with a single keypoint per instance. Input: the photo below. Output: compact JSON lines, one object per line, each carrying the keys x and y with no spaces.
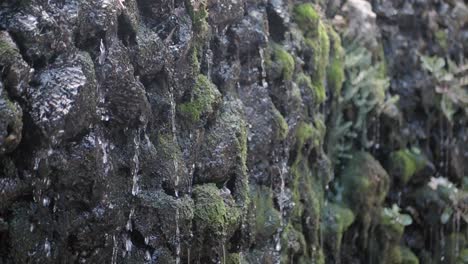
{"x":128,"y":245}
{"x":47,"y":247}
{"x":45,"y":201}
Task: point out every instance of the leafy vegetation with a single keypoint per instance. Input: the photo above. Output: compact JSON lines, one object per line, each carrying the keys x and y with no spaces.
{"x":450,"y":84}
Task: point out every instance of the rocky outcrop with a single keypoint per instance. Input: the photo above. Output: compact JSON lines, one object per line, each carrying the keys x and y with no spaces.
{"x":233,"y":131}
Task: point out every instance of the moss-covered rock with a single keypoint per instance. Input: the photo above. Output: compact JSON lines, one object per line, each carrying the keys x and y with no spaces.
{"x":280,"y":63}
{"x":318,"y":50}
{"x":335,"y":70}
{"x":396,"y":254}
{"x":11,"y":123}
{"x":267,"y":218}
{"x":365,"y":185}
{"x":205,"y":98}
{"x":212,"y":216}
{"x":336,"y":220}
{"x":405,"y":163}
{"x":408,"y":257}
{"x":292,"y":243}
{"x":463,"y":258}
{"x":307,"y":19}
{"x":281,"y":127}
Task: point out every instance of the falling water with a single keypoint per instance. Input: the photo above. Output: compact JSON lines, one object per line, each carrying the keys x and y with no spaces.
{"x":176,"y":172}
{"x":281,"y":202}
{"x":114,"y":251}
{"x":262,"y":64}
{"x":136,"y":163}
{"x":47,"y":247}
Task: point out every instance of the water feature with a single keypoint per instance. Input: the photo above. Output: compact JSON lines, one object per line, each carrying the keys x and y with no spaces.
{"x":136,"y":163}
{"x":176,"y":172}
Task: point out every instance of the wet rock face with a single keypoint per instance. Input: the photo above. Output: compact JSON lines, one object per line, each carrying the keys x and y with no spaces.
{"x":208,"y":131}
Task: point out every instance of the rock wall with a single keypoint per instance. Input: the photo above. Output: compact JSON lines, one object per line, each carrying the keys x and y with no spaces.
{"x":233,"y":131}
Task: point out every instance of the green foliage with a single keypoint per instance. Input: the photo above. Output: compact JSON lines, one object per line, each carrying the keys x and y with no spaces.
{"x":394,"y":216}
{"x":450,"y":84}
{"x":365,"y":93}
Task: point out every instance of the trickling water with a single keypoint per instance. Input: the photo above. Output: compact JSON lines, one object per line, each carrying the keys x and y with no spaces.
{"x":176,"y":171}
{"x":129,"y":221}
{"x":114,"y":251}
{"x":103,"y":144}
{"x":128,"y":244}
{"x":147,"y":255}
{"x":136,"y":163}
{"x":262,"y":64}
{"x":224,"y":253}
{"x":45,"y":201}
{"x":102,"y":53}
{"x":281,"y":201}
{"x":377,"y":133}
{"x":47,"y":247}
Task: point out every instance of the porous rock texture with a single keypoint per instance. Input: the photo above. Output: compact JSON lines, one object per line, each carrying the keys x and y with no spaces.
{"x":217,"y":131}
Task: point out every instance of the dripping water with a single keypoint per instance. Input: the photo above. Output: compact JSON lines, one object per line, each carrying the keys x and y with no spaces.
{"x":114,"y":250}
{"x":281,"y":202}
{"x":136,"y":163}
{"x":262,"y":65}
{"x":176,"y":172}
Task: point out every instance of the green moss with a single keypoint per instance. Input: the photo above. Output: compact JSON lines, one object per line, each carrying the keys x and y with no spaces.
{"x":205,"y":97}
{"x":9,"y":53}
{"x":405,"y":163}
{"x":317,"y":92}
{"x":211,"y":216}
{"x":281,"y":126}
{"x":199,"y":16}
{"x":292,"y":243}
{"x":284,"y":60}
{"x":267,"y":218}
{"x":319,"y":48}
{"x":304,"y":133}
{"x":335,"y":70}
{"x":365,"y":184}
{"x":6,"y":50}
{"x":393,"y":229}
{"x":408,"y":257}
{"x":441,"y":38}
{"x":194,"y":61}
{"x":336,"y":220}
{"x":307,"y":19}
{"x":234,"y":258}
{"x":393,"y":255}
{"x":463,"y":258}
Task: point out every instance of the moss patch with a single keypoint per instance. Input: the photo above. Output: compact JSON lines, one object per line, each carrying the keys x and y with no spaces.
{"x":336,"y":220}
{"x":283,"y":61}
{"x":267,"y":218}
{"x":408,"y":257}
{"x":335,"y":70}
{"x":318,"y":49}
{"x":405,"y":163}
{"x":281,"y":126}
{"x":205,"y":97}
{"x":307,"y":19}
{"x":211,"y":214}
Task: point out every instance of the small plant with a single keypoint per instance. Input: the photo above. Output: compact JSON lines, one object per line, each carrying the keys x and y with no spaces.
{"x":450,"y":84}
{"x":365,"y":94}
{"x":394,"y":215}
